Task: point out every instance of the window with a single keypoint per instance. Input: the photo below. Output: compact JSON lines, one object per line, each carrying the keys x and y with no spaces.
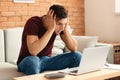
{"x":24,"y":1}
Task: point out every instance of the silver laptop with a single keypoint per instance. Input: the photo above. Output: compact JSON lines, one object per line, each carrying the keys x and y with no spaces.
{"x":93,"y":59}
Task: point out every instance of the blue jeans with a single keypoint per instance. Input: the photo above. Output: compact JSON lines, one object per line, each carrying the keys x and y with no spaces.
{"x":34,"y":64}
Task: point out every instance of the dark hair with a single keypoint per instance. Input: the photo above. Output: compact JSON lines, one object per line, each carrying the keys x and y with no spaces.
{"x":59,"y":11}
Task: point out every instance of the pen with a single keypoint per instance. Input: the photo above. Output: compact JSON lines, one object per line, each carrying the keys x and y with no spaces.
{"x":107,"y":65}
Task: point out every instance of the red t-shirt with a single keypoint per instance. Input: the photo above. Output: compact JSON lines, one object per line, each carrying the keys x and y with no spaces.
{"x":34,"y":26}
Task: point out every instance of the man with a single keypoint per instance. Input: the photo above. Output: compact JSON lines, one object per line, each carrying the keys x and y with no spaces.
{"x":37,"y":42}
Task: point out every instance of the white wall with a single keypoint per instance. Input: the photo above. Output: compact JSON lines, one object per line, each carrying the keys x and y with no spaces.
{"x":101,"y":20}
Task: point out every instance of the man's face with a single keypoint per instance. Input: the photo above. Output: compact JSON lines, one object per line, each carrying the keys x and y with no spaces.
{"x":60,"y":25}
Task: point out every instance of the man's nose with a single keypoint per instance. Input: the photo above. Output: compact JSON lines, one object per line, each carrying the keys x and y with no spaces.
{"x":62,"y":27}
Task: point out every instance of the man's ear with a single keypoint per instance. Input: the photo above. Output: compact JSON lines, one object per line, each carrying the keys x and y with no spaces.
{"x":69,"y":29}
{"x":68,"y":21}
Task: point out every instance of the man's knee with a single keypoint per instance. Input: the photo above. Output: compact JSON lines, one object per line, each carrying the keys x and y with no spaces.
{"x":76,"y":55}
{"x":77,"y":58}
{"x":31,"y":65}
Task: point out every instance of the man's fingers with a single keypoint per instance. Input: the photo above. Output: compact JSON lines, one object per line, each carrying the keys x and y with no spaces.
{"x":52,"y":14}
{"x":54,"y":17}
{"x":49,"y":12}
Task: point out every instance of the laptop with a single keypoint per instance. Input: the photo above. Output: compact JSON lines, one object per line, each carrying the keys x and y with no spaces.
{"x":93,"y":59}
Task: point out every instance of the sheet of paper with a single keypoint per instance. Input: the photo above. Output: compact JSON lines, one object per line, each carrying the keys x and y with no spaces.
{"x":112,"y":66}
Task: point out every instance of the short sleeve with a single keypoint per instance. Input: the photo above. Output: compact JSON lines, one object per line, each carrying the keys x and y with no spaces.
{"x":31,"y":27}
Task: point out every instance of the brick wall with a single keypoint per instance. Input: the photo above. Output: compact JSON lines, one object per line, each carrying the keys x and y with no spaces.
{"x":15,"y":14}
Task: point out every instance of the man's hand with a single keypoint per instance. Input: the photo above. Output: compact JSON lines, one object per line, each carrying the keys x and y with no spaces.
{"x":68,"y":40}
{"x":66,"y":27}
{"x":50,"y":20}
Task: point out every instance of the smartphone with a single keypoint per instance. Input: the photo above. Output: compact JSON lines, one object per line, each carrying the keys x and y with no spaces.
{"x":54,"y":75}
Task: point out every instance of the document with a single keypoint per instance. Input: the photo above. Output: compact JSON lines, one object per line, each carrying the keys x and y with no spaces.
{"x":112,"y":66}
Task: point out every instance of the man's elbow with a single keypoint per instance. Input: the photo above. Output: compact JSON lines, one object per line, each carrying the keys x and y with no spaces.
{"x":33,"y":52}
{"x":74,"y":49}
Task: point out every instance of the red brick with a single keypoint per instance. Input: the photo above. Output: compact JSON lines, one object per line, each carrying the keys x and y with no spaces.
{"x":8,"y":24}
{"x":35,"y":13}
{"x":78,"y":32}
{"x":14,"y":8}
{"x":0,"y":25}
{"x":3,"y":19}
{"x":24,"y":8}
{"x":31,"y":8}
{"x":14,"y":19}
{"x":34,"y":4}
{"x":20,"y":24}
{"x":62,"y":1}
{"x":24,"y":18}
{"x":8,"y":14}
{"x":20,"y":4}
{"x":21,"y":13}
{"x":5,"y":4}
{"x":51,"y":0}
{"x":3,"y":8}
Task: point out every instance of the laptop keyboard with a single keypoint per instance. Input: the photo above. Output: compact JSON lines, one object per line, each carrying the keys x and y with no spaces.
{"x":70,"y":70}
{"x":74,"y":71}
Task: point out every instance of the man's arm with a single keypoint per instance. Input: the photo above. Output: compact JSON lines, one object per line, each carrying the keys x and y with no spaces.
{"x":69,"y":41}
{"x":35,"y":45}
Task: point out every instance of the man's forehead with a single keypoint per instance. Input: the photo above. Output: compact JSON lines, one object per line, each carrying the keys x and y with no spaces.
{"x":62,"y":20}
